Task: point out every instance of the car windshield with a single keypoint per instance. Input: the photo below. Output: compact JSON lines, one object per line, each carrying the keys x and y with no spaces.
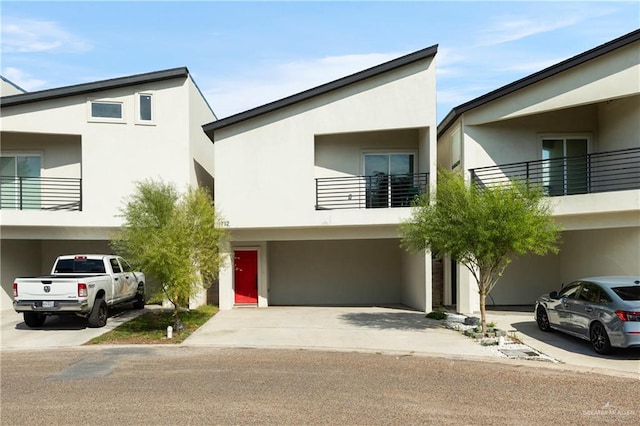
{"x":628,"y":293}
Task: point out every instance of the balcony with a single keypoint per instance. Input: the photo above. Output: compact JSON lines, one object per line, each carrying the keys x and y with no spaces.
{"x":40,"y":193}
{"x":365,"y":192}
{"x":585,"y":174}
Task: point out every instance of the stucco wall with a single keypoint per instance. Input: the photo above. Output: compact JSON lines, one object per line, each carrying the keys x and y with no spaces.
{"x":600,"y":252}
{"x":19,"y":258}
{"x":525,"y":279}
{"x":619,"y":123}
{"x":61,"y":155}
{"x":414,"y":273}
{"x":334,"y":272}
{"x":271,"y":159}
{"x":114,"y":155}
{"x":342,"y":154}
{"x":614,"y":75}
{"x":584,"y":253}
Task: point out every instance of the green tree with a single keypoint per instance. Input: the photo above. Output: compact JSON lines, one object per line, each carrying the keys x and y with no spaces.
{"x":483,"y":228}
{"x":177,"y":240}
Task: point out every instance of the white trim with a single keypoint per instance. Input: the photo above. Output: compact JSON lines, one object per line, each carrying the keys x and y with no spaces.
{"x":564,"y":136}
{"x":139,"y":120}
{"x":92,"y":119}
{"x":383,"y":151}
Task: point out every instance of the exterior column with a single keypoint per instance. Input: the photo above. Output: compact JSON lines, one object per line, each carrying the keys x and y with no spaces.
{"x":428,"y":282}
{"x":468,"y":298}
{"x":225,"y":290}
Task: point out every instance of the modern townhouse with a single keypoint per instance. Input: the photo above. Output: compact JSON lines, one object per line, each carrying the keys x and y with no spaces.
{"x":314,"y":185}
{"x":574,"y":129}
{"x":71,"y":155}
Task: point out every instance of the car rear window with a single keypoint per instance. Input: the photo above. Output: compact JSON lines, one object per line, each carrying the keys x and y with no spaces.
{"x":80,"y":266}
{"x":628,"y":293}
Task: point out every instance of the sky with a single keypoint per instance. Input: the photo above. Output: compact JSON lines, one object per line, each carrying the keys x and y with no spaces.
{"x":245,"y":54}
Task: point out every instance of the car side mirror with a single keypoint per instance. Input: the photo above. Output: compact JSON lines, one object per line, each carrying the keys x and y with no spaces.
{"x":553,"y":295}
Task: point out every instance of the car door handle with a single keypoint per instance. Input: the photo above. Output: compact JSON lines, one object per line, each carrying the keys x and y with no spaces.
{"x":115,"y":279}
{"x":588,"y":309}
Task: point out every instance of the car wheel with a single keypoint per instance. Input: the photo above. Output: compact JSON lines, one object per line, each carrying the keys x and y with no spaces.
{"x":98,"y":315}
{"x":139,"y":301}
{"x":34,"y":319}
{"x":599,"y":338}
{"x":542,"y":319}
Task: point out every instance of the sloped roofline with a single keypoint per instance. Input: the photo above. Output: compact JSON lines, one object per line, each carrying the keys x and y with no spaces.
{"x":85,"y":88}
{"x":6,"y":80}
{"x":427,"y":52}
{"x":579,"y":59}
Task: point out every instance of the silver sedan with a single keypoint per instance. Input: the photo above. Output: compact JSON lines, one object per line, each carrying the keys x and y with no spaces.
{"x":602,"y":310}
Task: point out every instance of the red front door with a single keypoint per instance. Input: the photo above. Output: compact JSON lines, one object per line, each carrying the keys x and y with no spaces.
{"x":246,"y":276}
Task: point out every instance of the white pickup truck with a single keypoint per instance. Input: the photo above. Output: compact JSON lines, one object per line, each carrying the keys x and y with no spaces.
{"x":83,"y":285}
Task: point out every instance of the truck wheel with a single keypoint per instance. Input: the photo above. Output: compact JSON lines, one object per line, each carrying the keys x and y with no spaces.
{"x":139,"y":300}
{"x":34,"y":319}
{"x":98,"y":316}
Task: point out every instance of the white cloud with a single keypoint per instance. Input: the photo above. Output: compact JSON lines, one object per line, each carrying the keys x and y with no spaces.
{"x":507,"y":28}
{"x":23,"y":79}
{"x":33,"y":35}
{"x":268,"y":84}
{"x":531,"y":66}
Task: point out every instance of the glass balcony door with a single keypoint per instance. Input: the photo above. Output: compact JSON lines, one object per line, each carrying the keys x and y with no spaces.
{"x":19,"y":182}
{"x":389,"y":179}
{"x":564,"y":169}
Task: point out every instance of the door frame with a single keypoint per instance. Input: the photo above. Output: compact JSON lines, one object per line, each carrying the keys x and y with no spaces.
{"x":257,"y":249}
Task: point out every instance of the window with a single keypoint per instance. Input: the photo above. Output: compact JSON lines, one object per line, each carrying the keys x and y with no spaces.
{"x":389,"y":179}
{"x":20,"y":181}
{"x":144,"y":108}
{"x":570,"y":291}
{"x":456,"y":149}
{"x":106,"y":110}
{"x":115,"y":266}
{"x":564,"y":166}
{"x":590,"y":293}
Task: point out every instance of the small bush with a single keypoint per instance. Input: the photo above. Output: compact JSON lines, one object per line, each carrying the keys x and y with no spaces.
{"x":437,"y":315}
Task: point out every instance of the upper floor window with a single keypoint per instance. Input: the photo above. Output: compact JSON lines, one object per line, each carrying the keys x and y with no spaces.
{"x":106,"y":110}
{"x":20,"y":181}
{"x":144,"y":108}
{"x":390,"y":179}
{"x":565,"y":168}
{"x":456,"y":149}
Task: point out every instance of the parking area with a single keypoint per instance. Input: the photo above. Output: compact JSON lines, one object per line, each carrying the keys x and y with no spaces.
{"x":562,"y":347}
{"x":391,"y":329}
{"x":57,"y":331}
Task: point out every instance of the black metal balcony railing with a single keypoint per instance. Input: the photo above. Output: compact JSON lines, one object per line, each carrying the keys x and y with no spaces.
{"x":599,"y":172}
{"x":377,"y":191}
{"x":40,"y":193}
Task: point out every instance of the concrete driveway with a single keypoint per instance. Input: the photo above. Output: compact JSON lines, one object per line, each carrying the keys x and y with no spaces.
{"x":562,"y":347}
{"x":57,"y":331}
{"x":396,"y":330}
{"x":376,"y":329}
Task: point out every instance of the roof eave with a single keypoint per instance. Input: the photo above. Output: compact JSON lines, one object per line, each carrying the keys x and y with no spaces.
{"x":86,"y":88}
{"x":536,"y":77}
{"x":428,"y":52}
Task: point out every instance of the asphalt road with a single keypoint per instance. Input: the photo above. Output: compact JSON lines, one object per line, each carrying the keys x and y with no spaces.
{"x":193,"y":385}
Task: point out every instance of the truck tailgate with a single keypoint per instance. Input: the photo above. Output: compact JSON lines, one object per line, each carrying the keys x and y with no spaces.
{"x":47,"y":288}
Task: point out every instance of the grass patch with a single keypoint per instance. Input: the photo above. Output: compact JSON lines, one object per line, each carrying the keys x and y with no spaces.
{"x":151,"y":327}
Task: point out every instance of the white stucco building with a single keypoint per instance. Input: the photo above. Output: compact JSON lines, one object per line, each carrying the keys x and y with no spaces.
{"x":314,"y":186}
{"x":574,"y":128}
{"x":70,"y":155}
